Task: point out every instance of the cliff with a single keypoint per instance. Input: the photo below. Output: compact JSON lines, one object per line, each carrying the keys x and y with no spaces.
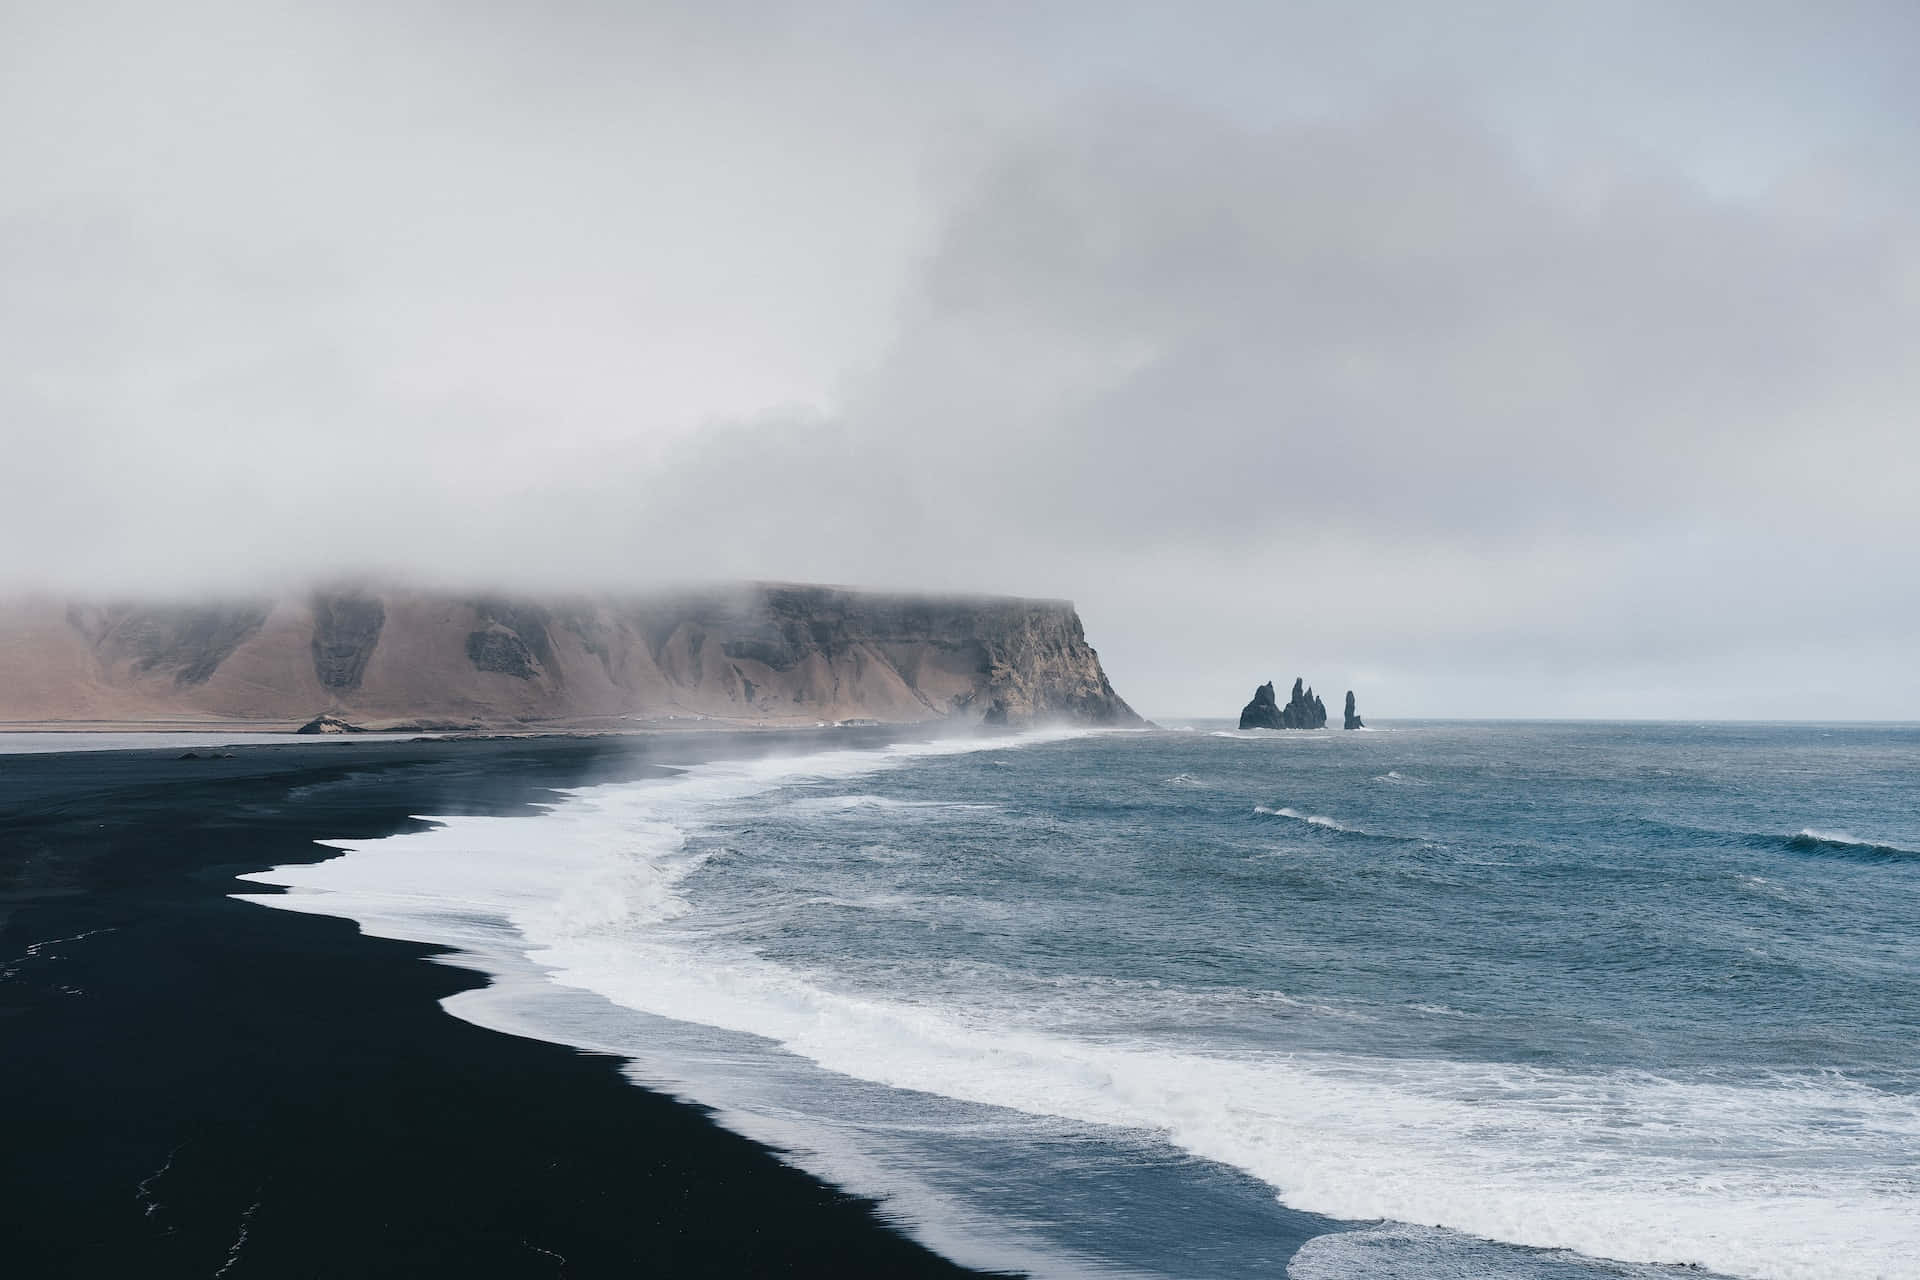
{"x":752,"y":654}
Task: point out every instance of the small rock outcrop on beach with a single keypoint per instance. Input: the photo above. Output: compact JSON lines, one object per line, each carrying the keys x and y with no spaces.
{"x":1353,"y":716}
{"x":1303,"y":711}
{"x":328,"y":724}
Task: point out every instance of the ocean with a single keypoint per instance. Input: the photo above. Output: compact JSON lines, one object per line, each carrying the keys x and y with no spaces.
{"x":1435,"y":999}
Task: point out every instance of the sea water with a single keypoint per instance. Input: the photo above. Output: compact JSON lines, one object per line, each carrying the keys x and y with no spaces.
{"x":1433,"y":1000}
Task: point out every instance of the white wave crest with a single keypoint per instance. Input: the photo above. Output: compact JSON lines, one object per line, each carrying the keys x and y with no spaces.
{"x":1623,"y":1166}
{"x":1848,"y":840}
{"x":1311,"y":819}
{"x":1273,"y":735}
{"x":1398,"y":1251}
{"x":854,"y":803}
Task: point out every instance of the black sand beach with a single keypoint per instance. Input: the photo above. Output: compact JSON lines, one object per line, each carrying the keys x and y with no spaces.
{"x":195,"y":1086}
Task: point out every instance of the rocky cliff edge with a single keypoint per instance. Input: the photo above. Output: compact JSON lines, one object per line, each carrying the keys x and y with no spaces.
{"x":760,"y":654}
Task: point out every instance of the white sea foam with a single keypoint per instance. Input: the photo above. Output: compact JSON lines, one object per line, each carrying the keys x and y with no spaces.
{"x":1787,"y":1179}
{"x":1622,"y":1166}
{"x":1312,"y":819}
{"x":1848,"y":839}
{"x":1274,"y":735}
{"x":1399,"y":1251}
{"x":1442,"y":1010}
{"x":853,"y":803}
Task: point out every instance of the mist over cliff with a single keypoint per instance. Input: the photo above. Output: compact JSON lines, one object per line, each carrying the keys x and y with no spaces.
{"x":381,"y":656}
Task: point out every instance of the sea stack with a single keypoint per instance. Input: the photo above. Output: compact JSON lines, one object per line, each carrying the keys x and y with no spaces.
{"x":1353,"y":716}
{"x":1303,"y":711}
{"x":1263,"y":712}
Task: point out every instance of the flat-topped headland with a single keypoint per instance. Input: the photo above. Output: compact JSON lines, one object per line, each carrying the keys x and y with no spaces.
{"x":388,"y":657}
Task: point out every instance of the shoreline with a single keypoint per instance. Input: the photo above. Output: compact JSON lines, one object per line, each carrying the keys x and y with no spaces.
{"x":620,"y":728}
{"x":204,"y":1087}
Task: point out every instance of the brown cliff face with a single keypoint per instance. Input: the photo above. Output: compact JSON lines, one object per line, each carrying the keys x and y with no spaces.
{"x":757,"y":654}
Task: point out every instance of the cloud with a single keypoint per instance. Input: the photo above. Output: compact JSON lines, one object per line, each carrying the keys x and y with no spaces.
{"x":1372,"y":394}
{"x":1419,"y":363}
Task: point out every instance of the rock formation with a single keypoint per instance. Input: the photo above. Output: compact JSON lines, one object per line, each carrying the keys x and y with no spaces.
{"x":1263,"y":712}
{"x":764,"y":654}
{"x":346,"y":627}
{"x":184,"y":643}
{"x":1303,"y":711}
{"x":1353,"y":716}
{"x":328,"y":724}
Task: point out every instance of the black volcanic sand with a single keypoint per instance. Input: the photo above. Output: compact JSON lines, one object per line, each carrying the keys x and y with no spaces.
{"x":195,"y":1086}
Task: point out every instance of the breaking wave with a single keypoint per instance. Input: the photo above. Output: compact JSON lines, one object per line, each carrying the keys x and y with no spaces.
{"x":1782,"y":1177}
{"x":855,"y":803}
{"x":1623,"y":1165}
{"x":1397,"y":1251}
{"x":1333,"y":826}
{"x":1311,"y":819}
{"x":1845,"y":844}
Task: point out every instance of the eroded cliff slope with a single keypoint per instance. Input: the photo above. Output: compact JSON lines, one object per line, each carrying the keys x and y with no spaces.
{"x":758,"y":654}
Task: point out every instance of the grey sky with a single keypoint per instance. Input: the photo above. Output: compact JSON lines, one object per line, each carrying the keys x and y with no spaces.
{"x":1488,"y":358}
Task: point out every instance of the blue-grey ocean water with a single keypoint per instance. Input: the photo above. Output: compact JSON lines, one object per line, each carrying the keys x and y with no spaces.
{"x":1434,"y":1000}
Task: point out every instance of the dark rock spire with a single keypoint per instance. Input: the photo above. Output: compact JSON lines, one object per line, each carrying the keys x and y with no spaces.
{"x":1263,"y":712}
{"x":1303,"y":711}
{"x":1353,"y":716}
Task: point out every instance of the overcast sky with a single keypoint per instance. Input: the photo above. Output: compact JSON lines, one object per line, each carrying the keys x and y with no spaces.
{"x":1488,"y":358}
